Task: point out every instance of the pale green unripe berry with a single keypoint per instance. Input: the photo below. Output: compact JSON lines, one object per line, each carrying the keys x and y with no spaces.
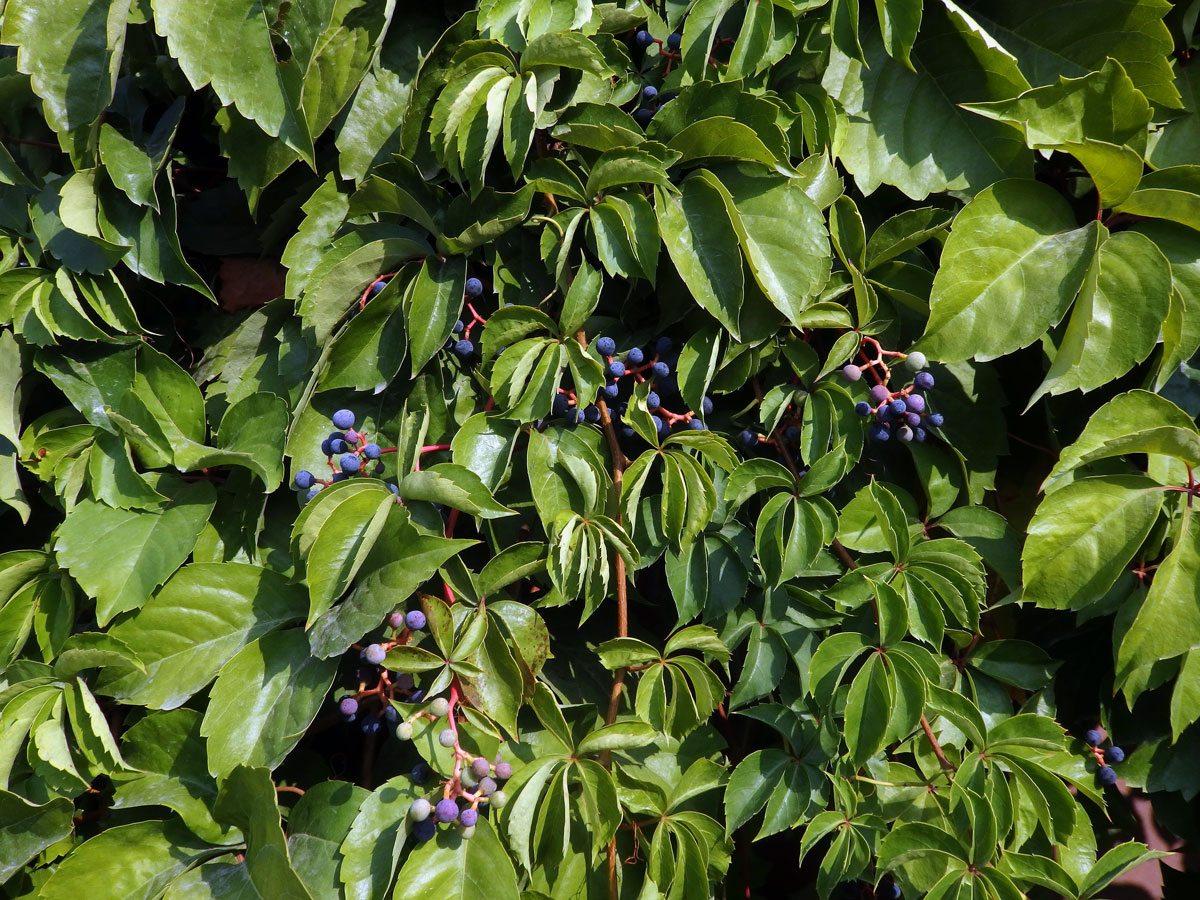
{"x":916,"y":361}
{"x":420,"y":810}
{"x":439,"y":707}
{"x":468,"y":832}
{"x":447,"y":738}
{"x":404,"y":731}
{"x":498,"y":799}
{"x":467,"y":777}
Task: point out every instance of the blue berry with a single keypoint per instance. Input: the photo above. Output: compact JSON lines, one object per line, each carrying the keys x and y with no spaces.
{"x":915,"y":402}
{"x":487,"y":786}
{"x":635,"y":357}
{"x":667,"y":97}
{"x":446,"y":811}
{"x":936,"y":420}
{"x":919,"y":435}
{"x":878,"y":433}
{"x":912,"y":419}
{"x":674,"y":40}
{"x":879,"y":393}
{"x":696,"y":425}
{"x":560,"y":405}
{"x":1114,"y":755}
{"x":347,"y":706}
{"x":791,"y":433}
{"x":424,"y":830}
{"x":339,"y":476}
{"x":474,"y":287}
{"x":852,"y":373}
{"x":420,"y":773}
{"x":660,"y":369}
{"x":374,"y":654}
{"x":591,"y":413}
{"x":663,"y":345}
{"x":415,"y":620}
{"x":888,"y":891}
{"x":863,"y":408}
{"x":458,"y":327}
{"x":616,"y":368}
{"x":391,"y":487}
{"x":463,"y":349}
{"x":897,"y":406}
{"x":1091,"y":737}
{"x":643,"y":116}
{"x":378,"y":286}
{"x":643,"y":39}
{"x":370,"y":726}
{"x":626,"y":431}
{"x":660,"y":426}
{"x":338,"y":446}
{"x":748,"y":438}
{"x":885,"y":413}
{"x":480,"y":767}
{"x":924,"y":381}
{"x":316,"y":489}
{"x":343,"y":419}
{"x":610,"y":390}
{"x":574,"y":417}
{"x":468,"y":817}
{"x":1107,"y":776}
{"x":350,"y":463}
{"x":706,"y":406}
{"x":606,"y":346}
{"x":326,"y":447}
{"x":391,"y":714}
{"x":372,"y":451}
{"x":649,"y":92}
{"x":304,"y":479}
{"x":653,"y":401}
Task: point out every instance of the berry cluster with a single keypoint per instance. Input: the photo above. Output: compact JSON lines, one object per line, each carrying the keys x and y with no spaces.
{"x":1106,"y":758}
{"x":903,"y":413}
{"x":354,"y":453}
{"x":650,"y":100}
{"x":473,"y":787}
{"x":463,"y":347}
{"x":639,"y":367}
{"x":370,"y":703}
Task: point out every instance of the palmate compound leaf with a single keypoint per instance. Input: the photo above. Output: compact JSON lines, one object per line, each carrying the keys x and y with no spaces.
{"x":451,"y":867}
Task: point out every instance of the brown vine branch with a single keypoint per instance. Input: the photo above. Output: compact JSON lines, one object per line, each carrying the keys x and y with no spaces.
{"x":937,"y":748}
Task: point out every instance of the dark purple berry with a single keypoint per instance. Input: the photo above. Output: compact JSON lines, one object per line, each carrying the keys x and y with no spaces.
{"x":1091,"y":737}
{"x":1107,"y":776}
{"x":347,"y":706}
{"x":468,"y":817}
{"x":1114,"y":755}
{"x":915,"y":402}
{"x":327,"y":448}
{"x":343,"y":419}
{"x":591,"y":413}
{"x":660,"y":369}
{"x":316,"y":489}
{"x":458,"y":327}
{"x":463,"y":349}
{"x":420,"y":773}
{"x":936,"y":420}
{"x":912,"y":419}
{"x":643,"y":116}
{"x":372,"y":451}
{"x":879,"y":393}
{"x":415,"y":620}
{"x":924,"y":381}
{"x":852,"y":373}
{"x":480,"y":767}
{"x":374,"y":654}
{"x":503,"y":771}
{"x":674,"y":40}
{"x":919,"y":435}
{"x":706,"y":406}
{"x":663,"y":345}
{"x":424,"y":830}
{"x":643,"y":39}
{"x":885,"y":413}
{"x":748,"y":438}
{"x":350,"y":463}
{"x":391,"y":714}
{"x":304,"y":479}
{"x":653,"y":401}
{"x":695,"y":425}
{"x":863,"y":408}
{"x":446,"y":811}
{"x":487,"y":786}
{"x":338,"y":446}
{"x":897,"y":406}
{"x":649,"y":92}
{"x":474,"y":287}
{"x":878,"y":433}
{"x":378,"y":286}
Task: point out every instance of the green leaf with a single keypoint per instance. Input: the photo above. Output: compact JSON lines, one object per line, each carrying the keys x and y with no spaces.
{"x":750,"y":784}
{"x":1082,"y":537}
{"x":230,"y":47}
{"x":867,"y":710}
{"x":432,"y":306}
{"x":263,"y":701}
{"x":371,"y":850}
{"x":905,"y":127}
{"x":11,"y":492}
{"x":72,"y":51}
{"x":26,"y":829}
{"x":1115,"y":862}
{"x":1013,"y":263}
{"x":455,"y":486}
{"x":704,"y":247}
{"x":120,"y":556}
{"x":916,"y":840}
{"x":1017,"y":663}
{"x":247,"y":800}
{"x":451,"y":867}
{"x":137,"y":860}
{"x":318,"y":824}
{"x":618,"y":736}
